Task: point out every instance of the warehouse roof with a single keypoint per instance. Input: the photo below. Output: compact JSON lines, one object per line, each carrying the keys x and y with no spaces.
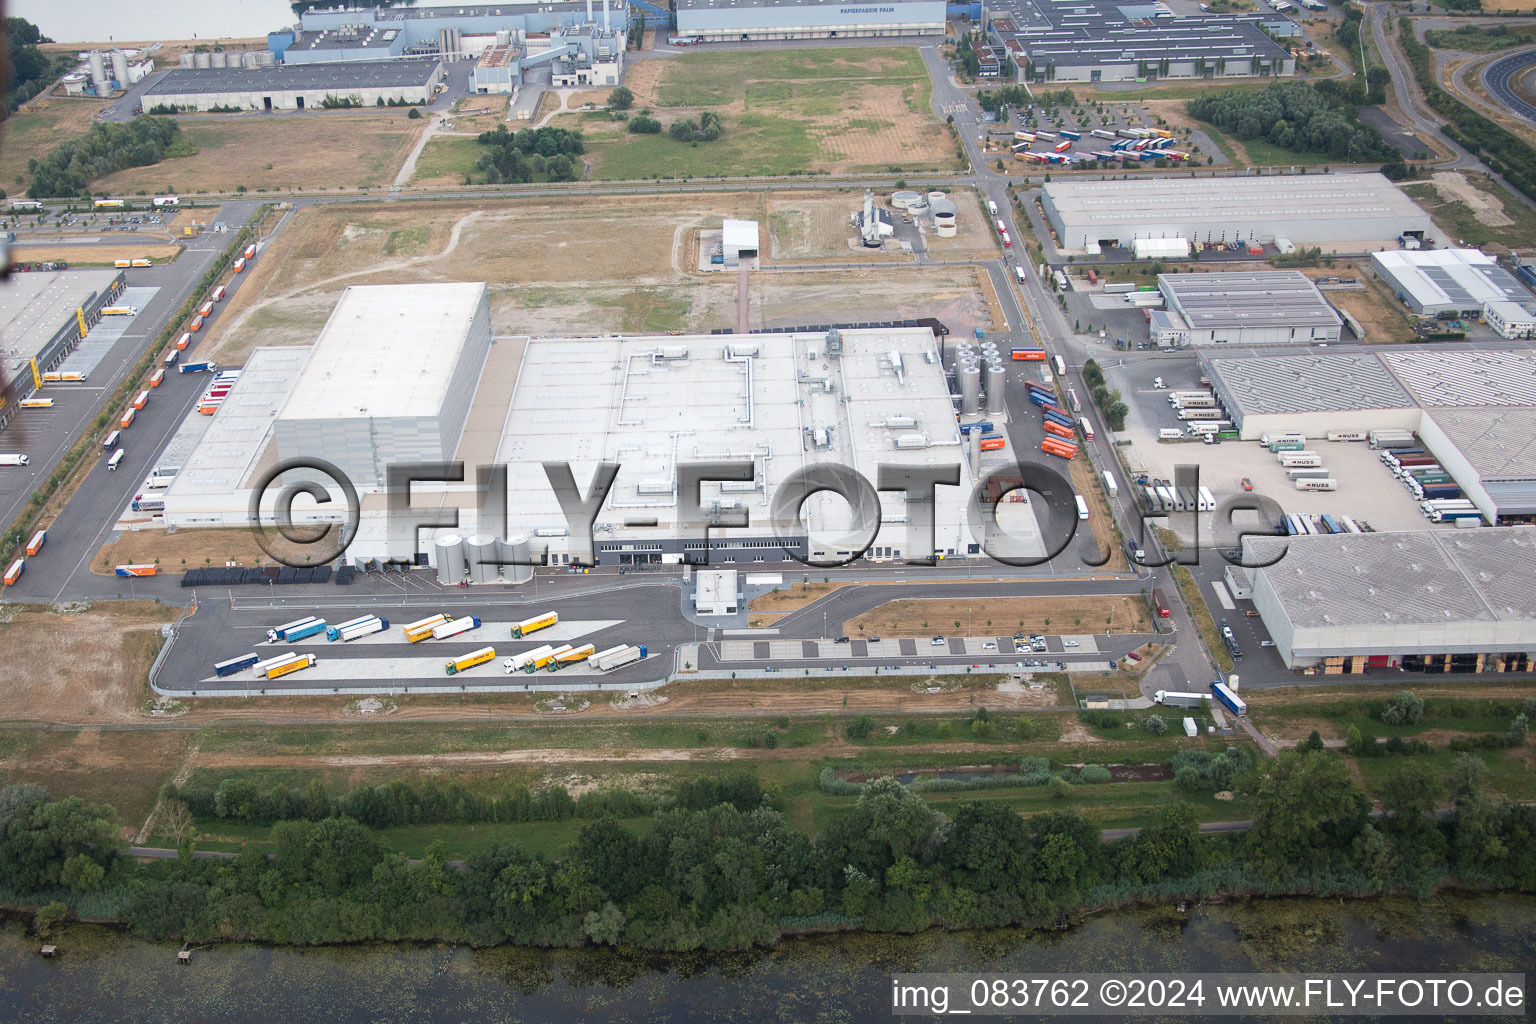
{"x":34,"y":306}
{"x":346,"y":39}
{"x":351,"y":74}
{"x":1306,"y":383}
{"x":1426,"y":577}
{"x":1499,"y":443}
{"x":1074,"y":33}
{"x":1446,"y":377}
{"x":1269,"y":298}
{"x":387,"y":350}
{"x":1219,"y":202}
{"x":1463,"y":278}
{"x":729,"y":5}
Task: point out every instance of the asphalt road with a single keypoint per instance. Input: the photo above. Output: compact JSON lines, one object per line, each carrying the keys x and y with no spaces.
{"x":1498,"y":80}
{"x":46,"y":438}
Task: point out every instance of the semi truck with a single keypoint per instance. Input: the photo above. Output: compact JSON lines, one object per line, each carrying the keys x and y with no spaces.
{"x":232,"y":665}
{"x":260,"y":668}
{"x":341,"y":630}
{"x":545,"y":659}
{"x":1180,"y":699}
{"x":1200,"y":414}
{"x":14,"y":572}
{"x":456,"y":665}
{"x":1346,"y":435}
{"x":1160,"y":603}
{"x":422,"y":629}
{"x":1223,"y":693}
{"x":1317,"y":484}
{"x":293,"y":630}
{"x":1191,"y":398}
{"x":298,"y":664}
{"x":1082,"y":507}
{"x":520,"y":662}
{"x":1291,"y":460}
{"x":1059,"y":448}
{"x":1287,"y":445}
{"x":534,"y":624}
{"x":571,"y":656}
{"x":135,"y":570}
{"x":453,"y":627}
{"x":1028,"y":353}
{"x":195,"y":367}
{"x":617,"y":657}
{"x":36,"y":543}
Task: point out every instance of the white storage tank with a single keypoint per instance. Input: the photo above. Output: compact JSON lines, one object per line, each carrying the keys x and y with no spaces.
{"x":482,"y":559}
{"x":970,"y":388}
{"x":217,"y":59}
{"x":514,"y":556}
{"x":265,"y":58}
{"x":200,"y":59}
{"x":120,"y":68}
{"x":186,"y":60}
{"x":996,"y":376}
{"x":98,"y":62}
{"x":450,"y":559}
{"x":248,"y":59}
{"x":906,"y":200}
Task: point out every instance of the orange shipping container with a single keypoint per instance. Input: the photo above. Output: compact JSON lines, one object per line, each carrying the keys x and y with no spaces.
{"x":36,"y":543}
{"x":127,"y":420}
{"x":239,"y":265}
{"x":196,"y":324}
{"x":156,"y":377}
{"x":183,"y":341}
{"x":1060,"y":431}
{"x":142,"y":400}
{"x":992,"y":444}
{"x":14,"y":572}
{"x":250,"y":251}
{"x":205,"y":309}
{"x":218,"y":293}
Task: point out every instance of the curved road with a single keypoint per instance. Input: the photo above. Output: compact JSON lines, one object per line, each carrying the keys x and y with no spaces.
{"x":1497,"y":79}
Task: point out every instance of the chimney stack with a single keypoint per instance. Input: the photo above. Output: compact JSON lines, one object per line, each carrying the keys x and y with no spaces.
{"x":605,"y":16}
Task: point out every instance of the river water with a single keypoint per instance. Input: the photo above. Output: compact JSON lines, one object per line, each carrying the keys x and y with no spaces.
{"x":100,"y":975}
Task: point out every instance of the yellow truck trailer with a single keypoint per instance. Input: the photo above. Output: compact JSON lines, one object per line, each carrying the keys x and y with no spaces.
{"x":421,"y":630}
{"x":469,"y":660}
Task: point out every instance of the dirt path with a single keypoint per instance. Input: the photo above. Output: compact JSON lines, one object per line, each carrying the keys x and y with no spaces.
{"x":183,"y":774}
{"x":409,"y":167}
{"x":312,"y":286}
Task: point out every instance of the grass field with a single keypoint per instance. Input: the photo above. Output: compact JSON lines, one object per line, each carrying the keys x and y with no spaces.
{"x":332,"y":150}
{"x":1197,"y":607}
{"x":95,"y":666}
{"x":1480,"y":38}
{"x":1265,"y":154}
{"x":785,"y":112}
{"x":34,"y":132}
{"x":1493,"y":218}
{"x":96,"y":255}
{"x":446,"y":160}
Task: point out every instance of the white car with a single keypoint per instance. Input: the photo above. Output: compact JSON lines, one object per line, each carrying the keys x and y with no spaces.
{"x":990,"y":645}
{"x":938,"y":641}
{"x":1069,"y":643}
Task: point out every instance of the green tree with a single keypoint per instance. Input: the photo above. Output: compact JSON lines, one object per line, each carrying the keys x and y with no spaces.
{"x":1168,"y":848}
{"x":46,"y":837}
{"x":604,"y":926}
{"x":48,"y":916}
{"x":1306,"y":810}
{"x":621,"y":98}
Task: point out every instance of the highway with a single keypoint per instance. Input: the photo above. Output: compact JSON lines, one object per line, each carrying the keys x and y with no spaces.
{"x":1498,"y":80}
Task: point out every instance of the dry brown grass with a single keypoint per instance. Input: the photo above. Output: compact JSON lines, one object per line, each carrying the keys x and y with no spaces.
{"x":1376,"y":310}
{"x":1126,"y":614}
{"x":33,"y":132}
{"x":89,"y":667}
{"x":186,"y":549}
{"x":336,"y":149}
{"x":797,"y":596}
{"x":124,"y":769}
{"x":1087,"y":483}
{"x":86,"y":255}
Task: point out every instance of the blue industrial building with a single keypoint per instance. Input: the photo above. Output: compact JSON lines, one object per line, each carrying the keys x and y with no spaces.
{"x":729,"y":20}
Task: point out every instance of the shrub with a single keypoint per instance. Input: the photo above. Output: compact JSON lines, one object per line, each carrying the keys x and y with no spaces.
{"x":1155,"y":725}
{"x":642,"y":125}
{"x":1060,"y":788}
{"x":1187,"y":780}
{"x":1406,"y":708}
{"x":858,"y":728}
{"x":1094,"y":774}
{"x":413,"y":114}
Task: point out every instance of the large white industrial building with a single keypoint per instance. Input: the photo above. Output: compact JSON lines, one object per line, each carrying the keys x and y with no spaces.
{"x":728,"y":20}
{"x":1435,"y":601}
{"x":1267,"y":307}
{"x":297,"y":86}
{"x":1336,"y":212}
{"x":411,"y":373}
{"x":1450,"y":282}
{"x":1473,"y":409}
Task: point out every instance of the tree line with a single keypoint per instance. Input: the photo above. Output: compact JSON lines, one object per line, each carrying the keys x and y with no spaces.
{"x":529,"y":154}
{"x":31,"y":70}
{"x":727,"y":877}
{"x":104,"y":148}
{"x":1294,"y":115}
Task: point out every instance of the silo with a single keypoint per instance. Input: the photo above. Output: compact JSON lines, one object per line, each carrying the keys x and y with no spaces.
{"x":186,"y":60}
{"x":996,"y":375}
{"x":265,"y":58}
{"x":217,"y":59}
{"x":120,"y":68}
{"x":482,"y":559}
{"x":976,"y":453}
{"x":970,"y":388}
{"x":934,"y":197}
{"x":450,"y":559}
{"x":200,"y":59}
{"x":503,"y":37}
{"x":98,"y":62}
{"x":515,"y":561}
{"x":248,"y":59}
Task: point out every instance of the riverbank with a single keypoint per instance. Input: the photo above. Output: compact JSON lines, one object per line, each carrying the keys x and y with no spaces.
{"x":103,"y":975}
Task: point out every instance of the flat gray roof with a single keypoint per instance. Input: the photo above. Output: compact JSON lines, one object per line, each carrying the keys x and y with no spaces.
{"x":1307,"y":383}
{"x":1221,"y":202}
{"x":350,"y":74}
{"x":1465,"y":278}
{"x":1267,"y":298}
{"x":1426,"y":577}
{"x":1455,"y":377}
{"x":1500,"y":443}
{"x":332,"y":39}
{"x":730,"y":5}
{"x":1075,"y":33}
{"x":34,"y":305}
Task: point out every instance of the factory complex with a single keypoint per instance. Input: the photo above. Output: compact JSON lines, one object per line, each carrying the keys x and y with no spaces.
{"x":1334,"y":212}
{"x":728,"y":20}
{"x":1433,"y":601}
{"x":297,"y":86}
{"x":1472,"y":410}
{"x":1451,"y":283}
{"x":1055,"y":41}
{"x":411,"y":373}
